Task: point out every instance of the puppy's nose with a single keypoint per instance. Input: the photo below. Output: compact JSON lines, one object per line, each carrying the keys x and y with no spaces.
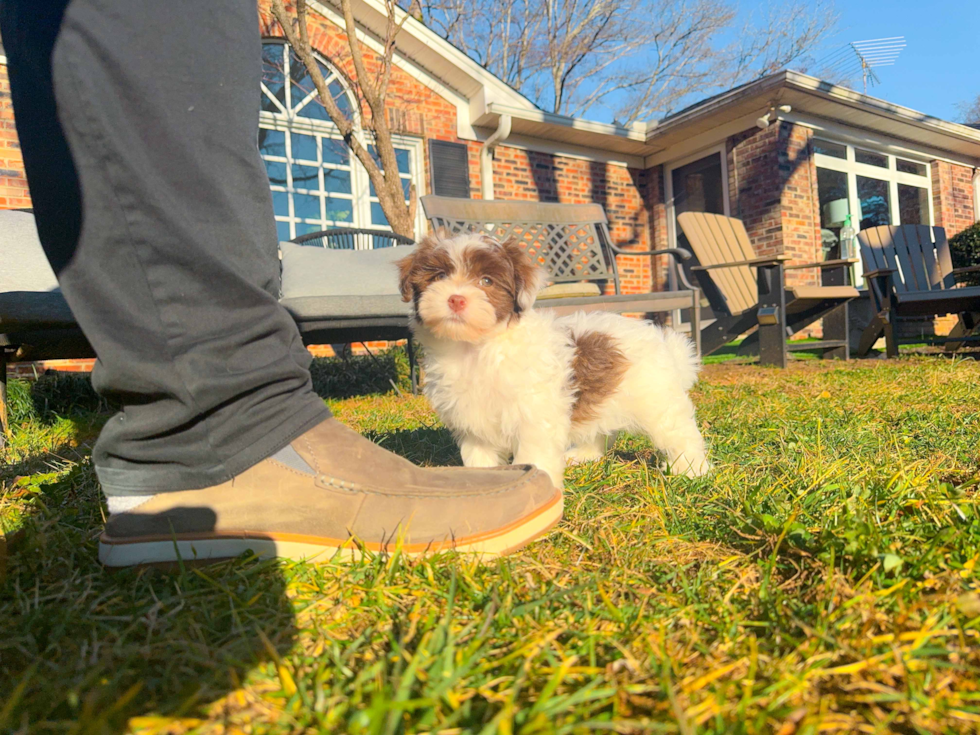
{"x":457,"y":303}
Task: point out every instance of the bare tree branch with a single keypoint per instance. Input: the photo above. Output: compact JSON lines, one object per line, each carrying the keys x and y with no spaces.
{"x":370,"y":91}
{"x":637,"y":58}
{"x":970,"y":111}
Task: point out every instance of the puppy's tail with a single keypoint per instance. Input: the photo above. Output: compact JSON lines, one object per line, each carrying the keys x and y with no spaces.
{"x":684,"y":355}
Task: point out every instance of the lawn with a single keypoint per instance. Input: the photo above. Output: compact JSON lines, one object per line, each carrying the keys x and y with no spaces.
{"x":824,"y":579}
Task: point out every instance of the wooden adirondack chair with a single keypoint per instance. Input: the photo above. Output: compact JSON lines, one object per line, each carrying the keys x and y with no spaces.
{"x":742,"y":299}
{"x":910,"y":273}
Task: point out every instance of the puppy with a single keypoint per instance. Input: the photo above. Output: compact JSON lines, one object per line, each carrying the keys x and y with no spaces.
{"x":514,"y":382}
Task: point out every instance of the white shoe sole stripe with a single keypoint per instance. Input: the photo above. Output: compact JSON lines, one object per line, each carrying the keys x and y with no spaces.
{"x":155,"y":552}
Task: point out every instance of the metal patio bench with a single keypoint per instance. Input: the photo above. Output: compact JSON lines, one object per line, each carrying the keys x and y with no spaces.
{"x":910,"y":273}
{"x":742,"y":300}
{"x":334,"y":295}
{"x":571,"y":242}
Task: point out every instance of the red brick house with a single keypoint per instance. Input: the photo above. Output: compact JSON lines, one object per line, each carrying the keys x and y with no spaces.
{"x":787,"y":153}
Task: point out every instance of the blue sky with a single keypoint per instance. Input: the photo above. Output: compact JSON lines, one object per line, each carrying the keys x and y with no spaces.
{"x":938,"y":68}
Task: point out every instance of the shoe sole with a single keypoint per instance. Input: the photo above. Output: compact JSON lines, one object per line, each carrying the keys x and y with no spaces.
{"x":128,"y":552}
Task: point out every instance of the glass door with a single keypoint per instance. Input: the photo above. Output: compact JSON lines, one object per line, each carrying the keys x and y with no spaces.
{"x":695,"y":186}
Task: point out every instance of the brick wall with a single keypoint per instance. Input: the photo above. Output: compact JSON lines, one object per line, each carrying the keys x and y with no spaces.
{"x":772,"y":181}
{"x":952,"y":196}
{"x":13,"y":182}
{"x":545,"y":177}
{"x":754,"y":187}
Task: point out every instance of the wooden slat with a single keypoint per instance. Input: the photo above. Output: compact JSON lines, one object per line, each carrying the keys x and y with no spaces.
{"x":502,"y":210}
{"x":651,"y":303}
{"x":886,"y":251}
{"x":927,"y":257}
{"x":726,"y":286}
{"x":742,"y":250}
{"x":933,"y":275}
{"x":823,"y":344}
{"x":869,"y":256}
{"x":871,"y":253}
{"x":896,"y":245}
{"x":943,"y":258}
{"x":909,"y":250}
{"x":721,"y":246}
{"x":715,"y":251}
{"x":698,"y":235}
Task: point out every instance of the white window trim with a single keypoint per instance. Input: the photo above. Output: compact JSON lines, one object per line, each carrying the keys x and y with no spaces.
{"x":891,"y":175}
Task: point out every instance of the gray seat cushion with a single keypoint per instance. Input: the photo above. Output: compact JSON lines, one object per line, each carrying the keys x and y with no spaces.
{"x":29,"y":293}
{"x":318,"y":283}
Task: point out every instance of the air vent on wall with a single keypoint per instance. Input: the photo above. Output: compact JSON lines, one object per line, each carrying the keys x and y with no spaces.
{"x":450,"y":169}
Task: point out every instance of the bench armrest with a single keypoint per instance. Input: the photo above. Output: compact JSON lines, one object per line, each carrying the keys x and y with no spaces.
{"x":823,"y":264}
{"x":678,"y":254}
{"x":880,"y":272}
{"x":771,"y":260}
{"x":966,"y":269}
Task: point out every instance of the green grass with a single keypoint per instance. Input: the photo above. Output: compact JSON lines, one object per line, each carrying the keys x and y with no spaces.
{"x":824,"y":579}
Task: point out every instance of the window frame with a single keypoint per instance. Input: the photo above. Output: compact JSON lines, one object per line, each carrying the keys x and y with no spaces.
{"x":290,"y":122}
{"x":891,"y":175}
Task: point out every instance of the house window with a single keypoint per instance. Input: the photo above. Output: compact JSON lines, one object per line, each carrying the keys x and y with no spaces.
{"x":874,"y":188}
{"x":316,"y":182}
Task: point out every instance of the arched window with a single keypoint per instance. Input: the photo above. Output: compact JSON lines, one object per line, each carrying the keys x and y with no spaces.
{"x":316,"y":183}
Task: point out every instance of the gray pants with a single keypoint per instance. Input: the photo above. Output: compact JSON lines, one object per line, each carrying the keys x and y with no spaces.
{"x":138,"y":122}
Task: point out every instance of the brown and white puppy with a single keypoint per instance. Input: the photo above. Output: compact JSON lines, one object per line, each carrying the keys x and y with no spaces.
{"x":512,"y":382}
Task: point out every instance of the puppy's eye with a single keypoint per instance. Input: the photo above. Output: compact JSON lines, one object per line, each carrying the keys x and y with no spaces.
{"x":486,"y":282}
{"x":438,"y":276}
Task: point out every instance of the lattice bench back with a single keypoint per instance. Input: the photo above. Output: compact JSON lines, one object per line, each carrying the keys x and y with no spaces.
{"x":570,"y":241}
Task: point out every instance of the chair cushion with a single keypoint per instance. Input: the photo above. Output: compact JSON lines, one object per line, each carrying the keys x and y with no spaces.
{"x":23,"y":266}
{"x":569,"y":290}
{"x":29,"y":293}
{"x":318,"y":283}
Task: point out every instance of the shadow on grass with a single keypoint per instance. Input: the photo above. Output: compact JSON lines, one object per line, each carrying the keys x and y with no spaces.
{"x":85,"y":649}
{"x":429,"y":447}
{"x":359,"y":375}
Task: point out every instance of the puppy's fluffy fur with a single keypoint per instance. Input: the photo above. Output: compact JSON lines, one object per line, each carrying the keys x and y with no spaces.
{"x":514,"y":382}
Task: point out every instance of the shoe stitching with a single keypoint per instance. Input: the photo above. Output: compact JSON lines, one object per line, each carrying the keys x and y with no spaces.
{"x":316,"y":462}
{"x":356,"y":487}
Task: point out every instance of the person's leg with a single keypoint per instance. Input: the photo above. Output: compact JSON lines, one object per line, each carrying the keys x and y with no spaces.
{"x":138,"y":125}
{"x":160,"y":228}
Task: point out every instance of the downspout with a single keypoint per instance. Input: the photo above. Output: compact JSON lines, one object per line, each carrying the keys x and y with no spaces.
{"x":976,"y":194}
{"x":486,"y":155}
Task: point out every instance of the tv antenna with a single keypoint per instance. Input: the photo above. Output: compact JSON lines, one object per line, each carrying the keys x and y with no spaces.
{"x":865,"y":57}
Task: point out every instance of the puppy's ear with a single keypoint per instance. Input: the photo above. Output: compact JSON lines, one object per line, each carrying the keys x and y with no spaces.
{"x":405,"y":268}
{"x":529,"y":278}
{"x":410,"y":267}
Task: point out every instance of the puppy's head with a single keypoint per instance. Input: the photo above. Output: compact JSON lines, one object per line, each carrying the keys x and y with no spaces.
{"x":467,"y":287}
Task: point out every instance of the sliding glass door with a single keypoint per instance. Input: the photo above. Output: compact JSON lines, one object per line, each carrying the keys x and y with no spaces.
{"x":698,"y":185}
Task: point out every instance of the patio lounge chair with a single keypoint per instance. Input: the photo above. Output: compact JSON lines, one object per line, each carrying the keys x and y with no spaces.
{"x":910,"y":273}
{"x":742,"y":300}
{"x":572,"y":242}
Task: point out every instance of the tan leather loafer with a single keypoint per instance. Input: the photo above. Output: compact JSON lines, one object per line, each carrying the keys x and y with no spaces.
{"x":337,"y":493}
